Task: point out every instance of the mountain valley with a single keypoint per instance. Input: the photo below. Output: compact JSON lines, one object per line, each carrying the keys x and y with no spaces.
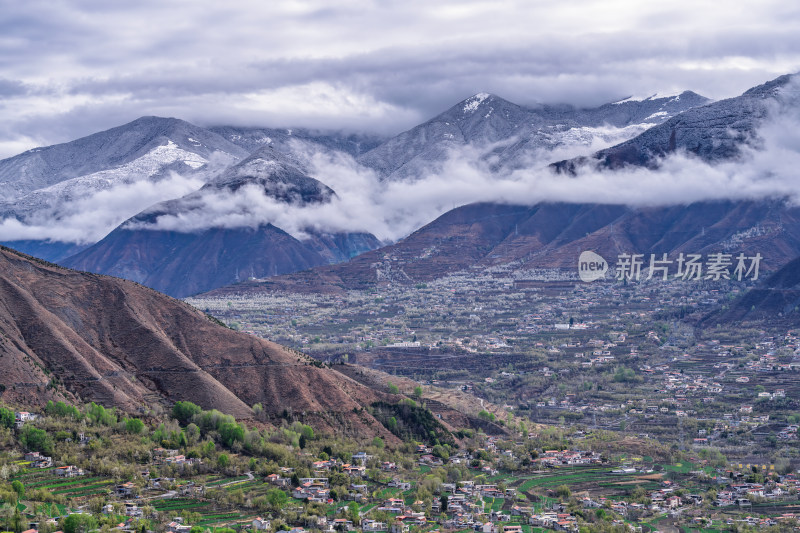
{"x":537,"y":359}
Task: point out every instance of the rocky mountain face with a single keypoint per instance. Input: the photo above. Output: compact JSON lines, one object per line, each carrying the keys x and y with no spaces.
{"x":47,"y":184}
{"x":479,"y":237}
{"x":57,"y":182}
{"x":295,"y":139}
{"x":212,"y":237}
{"x":512,"y":135}
{"x":67,"y":334}
{"x":713,"y":132}
{"x":552,"y":235}
{"x":44,"y":167}
{"x":277,"y":175}
{"x":774,"y":301}
{"x":184,"y":261}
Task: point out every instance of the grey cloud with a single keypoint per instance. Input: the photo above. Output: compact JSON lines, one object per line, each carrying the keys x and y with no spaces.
{"x":392,"y":210}
{"x":392,"y":64}
{"x":12,"y":88}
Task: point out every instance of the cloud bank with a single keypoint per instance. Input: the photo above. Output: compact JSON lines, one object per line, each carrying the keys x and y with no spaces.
{"x":88,"y":219}
{"x":391,"y":210}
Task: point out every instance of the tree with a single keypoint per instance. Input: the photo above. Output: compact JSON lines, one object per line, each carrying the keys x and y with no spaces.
{"x":231,"y":432}
{"x":134,"y":425}
{"x":625,"y":375}
{"x":79,"y":523}
{"x":223,"y":461}
{"x":276,"y":498}
{"x":100,"y":415}
{"x":307,"y":431}
{"x":352,"y":512}
{"x":7,"y":418}
{"x":7,"y":511}
{"x":19,"y":488}
{"x":418,"y":392}
{"x":36,"y":440}
{"x":62,"y":410}
{"x":16,"y":521}
{"x":184,"y":411}
{"x":486,"y":415}
{"x":394,"y":389}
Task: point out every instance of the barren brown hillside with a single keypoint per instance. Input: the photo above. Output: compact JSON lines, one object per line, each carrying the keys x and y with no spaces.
{"x":117,"y":343}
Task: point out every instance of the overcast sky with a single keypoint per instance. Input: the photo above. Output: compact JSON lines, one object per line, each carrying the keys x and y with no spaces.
{"x":71,"y":68}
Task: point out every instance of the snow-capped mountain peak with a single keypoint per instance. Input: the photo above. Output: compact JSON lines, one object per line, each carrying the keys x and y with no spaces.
{"x":471,"y":104}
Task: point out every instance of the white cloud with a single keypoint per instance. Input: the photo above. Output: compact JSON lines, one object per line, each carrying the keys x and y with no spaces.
{"x":391,"y":210}
{"x":89,"y":218}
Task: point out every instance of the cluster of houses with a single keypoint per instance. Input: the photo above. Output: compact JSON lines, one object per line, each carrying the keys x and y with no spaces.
{"x":20,"y":417}
{"x":741,"y":494}
{"x":313,"y":490}
{"x":38,"y":460}
{"x":553,"y":520}
{"x":789,"y":432}
{"x":568,"y":457}
{"x":163,"y":456}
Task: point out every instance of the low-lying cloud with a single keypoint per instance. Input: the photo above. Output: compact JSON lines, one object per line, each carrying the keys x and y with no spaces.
{"x":391,"y":210}
{"x":88,"y":219}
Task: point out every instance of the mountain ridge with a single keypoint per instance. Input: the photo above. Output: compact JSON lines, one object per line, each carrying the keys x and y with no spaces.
{"x":485,"y":118}
{"x":69,"y":334}
{"x":713,"y":132}
{"x":484,"y":236}
{"x":184,"y":261}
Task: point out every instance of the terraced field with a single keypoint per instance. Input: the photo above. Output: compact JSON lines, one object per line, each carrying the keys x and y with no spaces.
{"x":78,"y":487}
{"x":210,"y":513}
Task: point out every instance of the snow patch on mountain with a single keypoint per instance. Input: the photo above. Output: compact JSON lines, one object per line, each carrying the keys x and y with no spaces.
{"x":471,"y":105}
{"x":642,"y":98}
{"x":90,"y":206}
{"x":139,"y":169}
{"x":657,"y":115}
{"x":588,"y":136}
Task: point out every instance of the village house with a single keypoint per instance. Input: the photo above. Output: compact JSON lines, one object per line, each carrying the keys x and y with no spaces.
{"x":177,"y":526}
{"x":355,"y":470}
{"x":125,"y":490}
{"x":277,"y":480}
{"x":361,"y":458}
{"x":38,"y":460}
{"x":131,"y":509}
{"x":312,"y":491}
{"x":69,"y":471}
{"x":402,"y":485}
{"x":260,"y":524}
{"x":373,"y":526}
